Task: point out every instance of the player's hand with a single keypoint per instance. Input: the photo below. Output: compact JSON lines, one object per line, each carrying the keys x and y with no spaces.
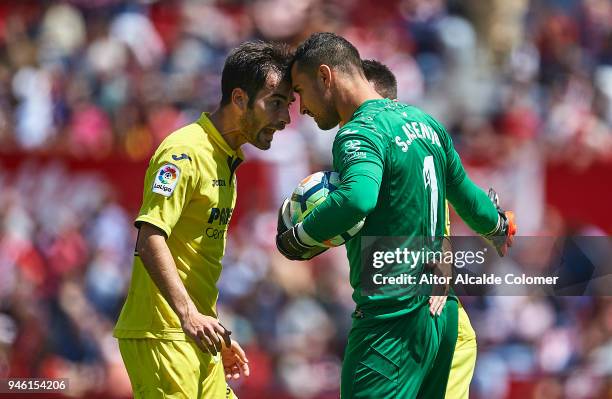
{"x":436,"y":304}
{"x":287,"y":240}
{"x":235,"y":362}
{"x":208,"y":334}
{"x":440,"y":291}
{"x":503,"y":237}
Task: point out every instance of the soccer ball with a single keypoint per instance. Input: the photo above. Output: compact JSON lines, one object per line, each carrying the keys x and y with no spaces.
{"x":311,"y":192}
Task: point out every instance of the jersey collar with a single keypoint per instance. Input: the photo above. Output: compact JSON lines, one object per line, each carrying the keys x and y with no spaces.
{"x":210,"y":129}
{"x":368,"y":103}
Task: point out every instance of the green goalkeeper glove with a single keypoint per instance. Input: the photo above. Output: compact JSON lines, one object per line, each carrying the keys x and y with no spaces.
{"x":288,"y":241}
{"x":503,"y":235}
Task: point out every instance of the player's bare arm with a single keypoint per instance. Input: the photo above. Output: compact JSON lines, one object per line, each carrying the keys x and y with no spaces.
{"x":205,"y":331}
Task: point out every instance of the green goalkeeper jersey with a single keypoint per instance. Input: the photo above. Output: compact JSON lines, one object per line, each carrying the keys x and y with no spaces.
{"x":397,"y":166}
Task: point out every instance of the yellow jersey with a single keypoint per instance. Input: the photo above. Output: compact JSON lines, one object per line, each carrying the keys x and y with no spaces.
{"x":189,"y":193}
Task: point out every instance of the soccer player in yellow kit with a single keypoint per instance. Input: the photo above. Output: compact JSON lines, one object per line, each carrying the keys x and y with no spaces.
{"x":170,"y":338}
{"x":466,"y":349}
{"x":464,"y":356}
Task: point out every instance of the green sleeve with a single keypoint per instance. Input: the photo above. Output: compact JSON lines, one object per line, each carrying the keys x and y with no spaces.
{"x":358,"y":154}
{"x":473,"y":206}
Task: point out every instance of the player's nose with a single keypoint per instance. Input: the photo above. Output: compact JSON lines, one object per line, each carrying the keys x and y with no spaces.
{"x":285,"y":118}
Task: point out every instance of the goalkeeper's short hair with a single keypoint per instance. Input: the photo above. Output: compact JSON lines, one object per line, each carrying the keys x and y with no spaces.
{"x":381,"y":77}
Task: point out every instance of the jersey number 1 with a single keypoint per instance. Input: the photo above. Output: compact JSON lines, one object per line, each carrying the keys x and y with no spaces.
{"x":429,"y":178}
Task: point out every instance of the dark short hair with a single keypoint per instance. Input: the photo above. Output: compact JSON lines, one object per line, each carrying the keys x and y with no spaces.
{"x":329,"y":49}
{"x":248,"y":66}
{"x":381,"y":76}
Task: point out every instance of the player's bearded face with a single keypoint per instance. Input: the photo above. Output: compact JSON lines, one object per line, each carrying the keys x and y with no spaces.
{"x":268,"y":113}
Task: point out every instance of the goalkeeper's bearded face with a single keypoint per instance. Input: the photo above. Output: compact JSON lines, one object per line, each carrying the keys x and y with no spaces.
{"x":316,"y":98}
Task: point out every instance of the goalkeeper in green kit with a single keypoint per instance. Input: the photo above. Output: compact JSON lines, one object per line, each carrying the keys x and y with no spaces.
{"x":397,"y":165}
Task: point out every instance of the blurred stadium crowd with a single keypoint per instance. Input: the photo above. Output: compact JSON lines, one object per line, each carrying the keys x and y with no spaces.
{"x":519,"y":84}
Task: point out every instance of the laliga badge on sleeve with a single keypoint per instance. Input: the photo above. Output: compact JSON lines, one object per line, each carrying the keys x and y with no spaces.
{"x":166,"y":179}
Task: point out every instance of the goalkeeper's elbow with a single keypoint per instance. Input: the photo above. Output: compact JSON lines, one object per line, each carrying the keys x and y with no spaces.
{"x":361,"y":206}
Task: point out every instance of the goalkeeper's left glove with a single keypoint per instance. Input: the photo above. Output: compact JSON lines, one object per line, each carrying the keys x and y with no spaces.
{"x":503,"y":235}
{"x":288,"y":242}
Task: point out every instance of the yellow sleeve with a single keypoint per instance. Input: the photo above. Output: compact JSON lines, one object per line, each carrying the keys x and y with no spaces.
{"x":169,"y":183}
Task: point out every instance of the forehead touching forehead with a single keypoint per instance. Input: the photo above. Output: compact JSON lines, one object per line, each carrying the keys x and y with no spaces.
{"x":275,"y":86}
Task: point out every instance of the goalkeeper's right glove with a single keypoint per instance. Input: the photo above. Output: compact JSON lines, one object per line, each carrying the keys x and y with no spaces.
{"x":288,"y":241}
{"x":503,"y":235}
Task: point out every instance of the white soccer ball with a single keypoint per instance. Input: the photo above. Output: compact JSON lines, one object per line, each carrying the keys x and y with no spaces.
{"x":310,"y":193}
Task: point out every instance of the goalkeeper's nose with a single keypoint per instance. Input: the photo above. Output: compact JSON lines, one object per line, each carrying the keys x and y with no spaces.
{"x":303,"y":109}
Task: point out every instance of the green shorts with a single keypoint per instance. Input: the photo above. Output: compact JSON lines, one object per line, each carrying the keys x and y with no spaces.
{"x":404,"y":357}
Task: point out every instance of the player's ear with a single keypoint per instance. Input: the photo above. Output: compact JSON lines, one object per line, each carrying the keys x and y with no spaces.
{"x":325,"y":75}
{"x":240,"y":98}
